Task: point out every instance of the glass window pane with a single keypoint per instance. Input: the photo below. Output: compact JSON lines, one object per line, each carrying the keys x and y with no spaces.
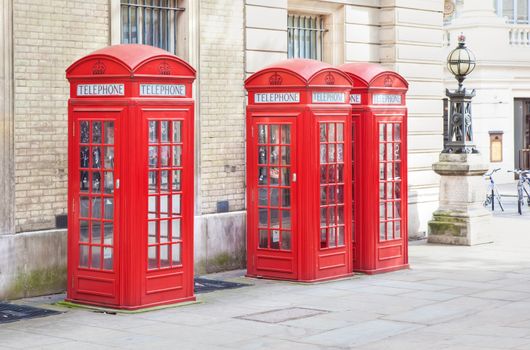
{"x":153,"y":156}
{"x":175,"y":204}
{"x":522,"y":11}
{"x":108,"y":232}
{"x":262,"y":155}
{"x":340,"y":153}
{"x":275,"y":134}
{"x":263,"y":239}
{"x":83,"y":157}
{"x":83,"y":256}
{"x":341,"y":235}
{"x":323,"y":238}
{"x":382,"y":231}
{"x":323,"y":154}
{"x":109,"y":132}
{"x":262,"y":134}
{"x":275,"y":218}
{"x":164,"y":206}
{"x":275,"y":197}
{"x":96,"y":257}
{"x":152,"y":258}
{"x":177,"y":155}
{"x":164,"y":181}
{"x":177,"y":131}
{"x":96,"y":232}
{"x":397,"y":170}
{"x":175,"y":229}
{"x":286,"y":240}
{"x":275,"y":239}
{"x":262,"y":175}
{"x":96,"y":207}
{"x":108,"y":161}
{"x":96,"y":182}
{"x":164,"y":131}
{"x":84,"y":207}
{"x":332,"y":237}
{"x":107,"y":258}
{"x":286,"y":219}
{"x":164,"y":255}
{"x":85,"y":132}
{"x":152,"y":181}
{"x":286,"y":198}
{"x":83,"y":231}
{"x":164,"y":156}
{"x":96,"y":132}
{"x":340,"y":132}
{"x":151,"y":232}
{"x":274,"y":155}
{"x":263,"y":196}
{"x":275,"y":176}
{"x":397,"y":229}
{"x":382,"y":131}
{"x":176,"y":180}
{"x":176,"y":254}
{"x":153,"y":132}
{"x":151,"y":207}
{"x":83,"y":181}
{"x":263,"y":217}
{"x":109,"y":182}
{"x":323,"y":195}
{"x":323,"y":133}
{"x":331,"y":132}
{"x":331,"y":153}
{"x":108,"y":212}
{"x":286,"y":134}
{"x":286,"y":155}
{"x":397,"y":132}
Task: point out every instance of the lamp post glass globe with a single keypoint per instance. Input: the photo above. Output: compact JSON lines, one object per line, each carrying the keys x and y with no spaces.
{"x":461,"y":61}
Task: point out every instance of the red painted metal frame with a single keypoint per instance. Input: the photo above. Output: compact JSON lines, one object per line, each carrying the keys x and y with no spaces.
{"x":306,"y":261}
{"x":370,"y":253}
{"x":130,"y":284}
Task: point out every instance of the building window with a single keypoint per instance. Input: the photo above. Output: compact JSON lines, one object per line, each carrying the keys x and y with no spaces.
{"x":305,"y":36}
{"x":517,"y":11}
{"x":150,"y":22}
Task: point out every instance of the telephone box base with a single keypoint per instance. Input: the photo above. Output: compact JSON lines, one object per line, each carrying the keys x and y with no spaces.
{"x":125,"y":308}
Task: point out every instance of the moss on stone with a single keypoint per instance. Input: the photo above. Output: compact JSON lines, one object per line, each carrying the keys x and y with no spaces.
{"x":38,"y":282}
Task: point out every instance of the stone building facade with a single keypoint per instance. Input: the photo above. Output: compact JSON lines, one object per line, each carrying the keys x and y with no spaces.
{"x":226,"y":41}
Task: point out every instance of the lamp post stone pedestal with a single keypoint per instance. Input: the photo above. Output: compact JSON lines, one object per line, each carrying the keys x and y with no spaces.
{"x":461,"y":218}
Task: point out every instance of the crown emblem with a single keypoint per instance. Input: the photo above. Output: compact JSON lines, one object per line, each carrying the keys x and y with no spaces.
{"x":275,"y":79}
{"x":164,"y":68}
{"x":389,"y":81}
{"x":330,"y":79}
{"x":98,"y":67}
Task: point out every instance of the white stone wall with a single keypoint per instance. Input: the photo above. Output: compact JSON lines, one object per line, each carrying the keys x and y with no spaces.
{"x":48,"y":37}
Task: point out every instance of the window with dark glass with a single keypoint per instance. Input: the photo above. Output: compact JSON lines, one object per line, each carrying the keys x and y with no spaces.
{"x":305,"y":36}
{"x":150,"y":22}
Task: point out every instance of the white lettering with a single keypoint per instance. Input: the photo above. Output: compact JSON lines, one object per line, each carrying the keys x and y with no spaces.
{"x":329,"y":97}
{"x":384,"y":99}
{"x":100,"y":90}
{"x":277,"y":97}
{"x":355,"y":99}
{"x":162,"y":90}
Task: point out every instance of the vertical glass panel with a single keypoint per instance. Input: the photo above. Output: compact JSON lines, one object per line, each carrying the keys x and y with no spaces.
{"x":522,"y":11}
{"x":389,"y":192}
{"x":340,"y":215}
{"x":332,"y":194}
{"x":83,"y":256}
{"x":164,"y":255}
{"x":323,"y":134}
{"x":323,"y":216}
{"x":108,"y":161}
{"x":108,"y":210}
{"x":175,"y":229}
{"x":83,"y":204}
{"x":96,"y":182}
{"x":332,"y":173}
{"x":389,"y":175}
{"x":275,"y":197}
{"x":323,"y":174}
{"x":389,"y":210}
{"x":164,"y":181}
{"x":262,"y":155}
{"x":96,"y":232}
{"x":176,"y":180}
{"x":340,"y":153}
{"x":152,"y":181}
{"x":286,"y":176}
{"x":382,"y":190}
{"x":323,"y":154}
{"x":275,"y":176}
{"x":153,"y":156}
{"x":397,"y":151}
{"x":109,"y":182}
{"x":96,"y":132}
{"x":381,"y":171}
{"x":274,"y":155}
{"x":286,"y":134}
{"x":286,"y":198}
{"x":340,"y":173}
{"x":262,"y":134}
{"x":331,"y":132}
{"x":175,"y":254}
{"x":107,"y":258}
{"x":332,"y":215}
{"x":164,"y":206}
{"x":83,"y":181}
{"x":340,"y":132}
{"x":177,"y":131}
{"x":151,"y":232}
{"x":382,"y":131}
{"x":83,"y":157}
{"x":382,"y":231}
{"x":275,"y":134}
{"x":286,"y":219}
{"x":262,"y":175}
{"x":152,"y":258}
{"x":397,"y":190}
{"x":109,"y":132}
{"x":275,"y":239}
{"x":389,"y":129}
{"x":286,"y":240}
{"x":331,"y":153}
{"x":323,"y":238}
{"x":341,"y":235}
{"x":397,"y":209}
{"x":323,"y":195}
{"x":275,"y":218}
{"x":263,"y":217}
{"x":397,"y":132}
{"x":175,"y":204}
{"x":382,"y":154}
{"x":263,"y":239}
{"x":397,"y":229}
{"x":96,"y":207}
{"x":382,"y":214}
{"x":108,"y":233}
{"x":151,"y":207}
{"x":389,"y":151}
{"x":83,"y":231}
{"x":286,"y":155}
{"x":177,"y":155}
{"x":96,"y":257}
{"x":153,"y":132}
{"x":397,"y":170}
{"x":85,"y":132}
{"x":164,"y":131}
{"x":263,"y":196}
{"x":332,"y":237}
{"x":164,"y":156}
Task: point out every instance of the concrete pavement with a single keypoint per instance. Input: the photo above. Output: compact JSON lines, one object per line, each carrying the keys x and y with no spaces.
{"x":453,"y":297}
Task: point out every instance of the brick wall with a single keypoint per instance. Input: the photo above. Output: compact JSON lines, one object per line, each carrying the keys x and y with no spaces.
{"x":222,"y":98}
{"x":48,"y":37}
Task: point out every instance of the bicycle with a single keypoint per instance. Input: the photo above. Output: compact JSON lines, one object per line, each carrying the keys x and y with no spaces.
{"x":493,"y":192}
{"x":521,"y":188}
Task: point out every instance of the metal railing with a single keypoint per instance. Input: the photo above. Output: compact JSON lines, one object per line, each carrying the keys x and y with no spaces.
{"x":305,"y":36}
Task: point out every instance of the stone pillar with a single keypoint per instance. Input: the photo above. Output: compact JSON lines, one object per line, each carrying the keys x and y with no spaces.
{"x":7,"y":169}
{"x":461,"y":218}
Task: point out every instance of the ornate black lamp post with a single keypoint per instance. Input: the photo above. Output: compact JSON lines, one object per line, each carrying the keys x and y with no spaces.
{"x":460,"y":62}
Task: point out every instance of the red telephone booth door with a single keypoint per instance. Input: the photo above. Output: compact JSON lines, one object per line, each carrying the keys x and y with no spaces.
{"x":272,"y":209}
{"x":95,"y":201}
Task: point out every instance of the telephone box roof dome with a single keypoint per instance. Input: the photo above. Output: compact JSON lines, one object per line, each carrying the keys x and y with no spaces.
{"x":130,"y":57}
{"x":368,"y":72}
{"x":303,"y":69}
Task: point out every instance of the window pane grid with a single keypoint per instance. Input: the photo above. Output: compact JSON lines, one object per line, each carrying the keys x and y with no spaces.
{"x":96,"y":198}
{"x":274,"y":181}
{"x":331,"y":184}
{"x":151,"y":22}
{"x":305,"y":36}
{"x":164,"y":214}
{"x":390,"y":181}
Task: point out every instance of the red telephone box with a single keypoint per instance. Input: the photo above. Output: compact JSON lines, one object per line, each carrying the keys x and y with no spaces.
{"x":379,"y":168}
{"x":298,"y":122}
{"x":130,"y":168}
